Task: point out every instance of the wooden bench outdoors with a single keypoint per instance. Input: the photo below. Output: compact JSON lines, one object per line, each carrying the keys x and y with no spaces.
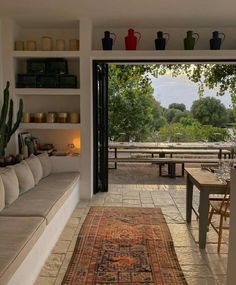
{"x":165,"y":160}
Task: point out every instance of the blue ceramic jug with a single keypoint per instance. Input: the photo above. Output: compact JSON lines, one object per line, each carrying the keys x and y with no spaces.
{"x":107,"y":41}
{"x":160,"y":41}
{"x":216,"y":41}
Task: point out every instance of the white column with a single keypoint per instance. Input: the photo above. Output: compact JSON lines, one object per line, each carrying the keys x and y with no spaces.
{"x":86,"y":107}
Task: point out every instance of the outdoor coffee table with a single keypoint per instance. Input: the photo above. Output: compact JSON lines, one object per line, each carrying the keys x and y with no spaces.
{"x":207,"y":183}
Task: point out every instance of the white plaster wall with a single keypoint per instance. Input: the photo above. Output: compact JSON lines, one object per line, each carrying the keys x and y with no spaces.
{"x":176,"y":37}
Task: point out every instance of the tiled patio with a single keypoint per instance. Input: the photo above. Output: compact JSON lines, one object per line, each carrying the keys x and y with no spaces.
{"x":126,"y":190}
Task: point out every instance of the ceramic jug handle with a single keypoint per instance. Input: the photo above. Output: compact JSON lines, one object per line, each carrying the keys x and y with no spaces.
{"x":114,"y":35}
{"x":168,"y":37}
{"x":223,"y":36}
{"x":197,"y":36}
{"x":138,"y":35}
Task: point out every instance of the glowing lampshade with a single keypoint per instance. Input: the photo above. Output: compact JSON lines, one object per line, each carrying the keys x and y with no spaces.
{"x":76,"y":143}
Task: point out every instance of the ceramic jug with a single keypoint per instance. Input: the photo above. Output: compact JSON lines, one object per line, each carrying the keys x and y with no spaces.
{"x":160,"y":41}
{"x":216,"y":41}
{"x":190,"y":40}
{"x":131,"y":40}
{"x":107,"y":41}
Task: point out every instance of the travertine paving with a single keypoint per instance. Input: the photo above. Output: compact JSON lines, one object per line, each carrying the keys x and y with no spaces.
{"x":201,"y":267}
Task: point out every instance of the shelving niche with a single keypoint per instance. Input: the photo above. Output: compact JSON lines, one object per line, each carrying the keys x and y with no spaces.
{"x":49,"y":99}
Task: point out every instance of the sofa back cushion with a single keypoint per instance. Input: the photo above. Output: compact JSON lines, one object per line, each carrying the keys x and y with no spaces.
{"x":2,"y":195}
{"x":35,"y":167}
{"x":11,"y":184}
{"x":46,"y":164}
{"x":25,"y":176}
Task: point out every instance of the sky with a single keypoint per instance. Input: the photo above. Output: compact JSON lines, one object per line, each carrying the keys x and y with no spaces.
{"x":169,"y":90}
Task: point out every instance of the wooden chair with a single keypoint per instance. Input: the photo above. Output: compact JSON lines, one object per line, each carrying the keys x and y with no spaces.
{"x":221,"y":208}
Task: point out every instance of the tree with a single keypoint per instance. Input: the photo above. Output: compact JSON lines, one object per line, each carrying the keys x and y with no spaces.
{"x":175,"y":115}
{"x":191,"y":133}
{"x":130,"y":103}
{"x":159,"y":120}
{"x":178,"y":106}
{"x":209,"y":111}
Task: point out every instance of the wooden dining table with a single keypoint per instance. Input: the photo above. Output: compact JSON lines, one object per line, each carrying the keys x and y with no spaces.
{"x":158,"y":146}
{"x":207,"y":183}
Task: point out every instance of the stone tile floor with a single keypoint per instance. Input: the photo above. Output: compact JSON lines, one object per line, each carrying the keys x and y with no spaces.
{"x":201,"y":267}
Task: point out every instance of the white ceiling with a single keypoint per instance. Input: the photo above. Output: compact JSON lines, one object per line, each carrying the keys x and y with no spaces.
{"x":123,"y":13}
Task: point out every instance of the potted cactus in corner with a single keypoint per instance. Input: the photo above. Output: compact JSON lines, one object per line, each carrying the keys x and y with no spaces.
{"x":7,"y":128}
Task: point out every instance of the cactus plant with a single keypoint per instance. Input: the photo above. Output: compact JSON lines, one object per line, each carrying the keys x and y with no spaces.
{"x":7,"y":129}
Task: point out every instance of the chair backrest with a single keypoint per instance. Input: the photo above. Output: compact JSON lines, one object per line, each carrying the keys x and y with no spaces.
{"x":225,"y":203}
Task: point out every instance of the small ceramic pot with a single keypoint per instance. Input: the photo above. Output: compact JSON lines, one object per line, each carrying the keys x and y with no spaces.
{"x":73,"y":44}
{"x":74,"y":118}
{"x":19,"y":45}
{"x":31,"y":45}
{"x":60,"y":44}
{"x":38,"y":117}
{"x":51,"y":117}
{"x":62,"y":117}
{"x":47,"y":43}
{"x":25,"y":117}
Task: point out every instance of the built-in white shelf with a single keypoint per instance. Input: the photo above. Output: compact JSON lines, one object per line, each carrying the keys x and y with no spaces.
{"x":47,"y":91}
{"x":43,"y":54}
{"x":49,"y":126}
{"x":164,"y":54}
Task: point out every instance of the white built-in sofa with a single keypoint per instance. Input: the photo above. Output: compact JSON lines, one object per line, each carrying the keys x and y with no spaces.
{"x":37,"y":197}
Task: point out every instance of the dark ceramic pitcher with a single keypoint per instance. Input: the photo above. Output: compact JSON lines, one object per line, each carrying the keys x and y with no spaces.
{"x":107,"y":41}
{"x":190,"y":40}
{"x":216,"y":41}
{"x":161,"y":41}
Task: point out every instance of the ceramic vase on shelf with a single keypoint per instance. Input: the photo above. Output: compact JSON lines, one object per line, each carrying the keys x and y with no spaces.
{"x":131,"y":41}
{"x":216,"y":41}
{"x":19,"y":45}
{"x":47,"y":44}
{"x":73,"y":44}
{"x":107,"y":41}
{"x":60,"y":45}
{"x":190,"y":41}
{"x":161,"y":41}
{"x":31,"y":45}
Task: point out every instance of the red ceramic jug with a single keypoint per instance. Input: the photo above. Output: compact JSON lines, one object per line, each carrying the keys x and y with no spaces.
{"x":131,"y":40}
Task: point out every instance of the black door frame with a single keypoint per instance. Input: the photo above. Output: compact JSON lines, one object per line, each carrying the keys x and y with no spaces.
{"x":105,"y":121}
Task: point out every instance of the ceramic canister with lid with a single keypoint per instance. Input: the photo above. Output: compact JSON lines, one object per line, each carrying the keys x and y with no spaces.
{"x":74,"y":117}
{"x":47,"y":43}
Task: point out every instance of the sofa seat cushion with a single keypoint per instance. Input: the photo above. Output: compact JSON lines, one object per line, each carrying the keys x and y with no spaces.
{"x":44,"y":199}
{"x":17,"y":237}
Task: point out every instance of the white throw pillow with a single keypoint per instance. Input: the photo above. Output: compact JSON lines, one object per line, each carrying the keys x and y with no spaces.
{"x":35,"y":167}
{"x":46,"y":164}
{"x":11,"y":184}
{"x":2,"y":195}
{"x":25,"y":176}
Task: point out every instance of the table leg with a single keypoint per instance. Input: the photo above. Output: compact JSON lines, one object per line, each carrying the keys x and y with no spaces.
{"x":220,"y":153}
{"x":189,"y":199}
{"x":115,"y":157}
{"x":203,"y":217}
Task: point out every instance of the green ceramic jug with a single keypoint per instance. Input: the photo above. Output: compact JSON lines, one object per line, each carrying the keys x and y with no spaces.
{"x":190,"y":40}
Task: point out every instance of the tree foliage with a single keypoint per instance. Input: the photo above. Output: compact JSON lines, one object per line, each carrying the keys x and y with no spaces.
{"x":209,"y":111}
{"x":193,"y":132}
{"x":220,"y":76}
{"x":178,"y":106}
{"x":130,"y":103}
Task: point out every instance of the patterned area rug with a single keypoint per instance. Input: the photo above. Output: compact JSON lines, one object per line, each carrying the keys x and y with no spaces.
{"x":128,"y":246}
